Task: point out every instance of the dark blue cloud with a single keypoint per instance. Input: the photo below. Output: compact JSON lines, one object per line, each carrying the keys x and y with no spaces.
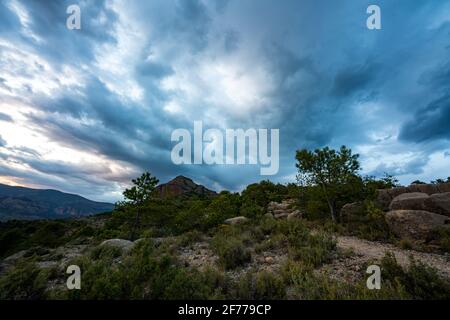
{"x":321,"y":77}
{"x":48,"y":22}
{"x":5,"y":117}
{"x":429,"y":123}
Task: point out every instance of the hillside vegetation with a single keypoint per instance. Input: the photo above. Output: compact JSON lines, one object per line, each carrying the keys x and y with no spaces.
{"x":271,"y":241}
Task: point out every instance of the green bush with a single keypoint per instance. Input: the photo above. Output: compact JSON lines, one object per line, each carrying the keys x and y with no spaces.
{"x":51,"y":234}
{"x":306,"y":284}
{"x":269,"y":287}
{"x":10,"y":241}
{"x":147,"y":272}
{"x":369,"y":224}
{"x":105,"y":252}
{"x":25,"y":281}
{"x":303,"y":245}
{"x":419,"y":281}
{"x":442,"y":237}
{"x":189,"y":238}
{"x":405,"y":244}
{"x":259,"y":286}
{"x":231,"y":251}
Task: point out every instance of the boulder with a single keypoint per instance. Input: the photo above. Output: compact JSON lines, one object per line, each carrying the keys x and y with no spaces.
{"x":443,"y":187}
{"x":409,"y":201}
{"x":350,"y":210}
{"x":414,"y":224}
{"x":281,"y":215}
{"x":272,"y":206}
{"x":385,"y":196}
{"x":118,"y":243}
{"x":236,"y":220}
{"x":278,"y":211}
{"x":294,"y":215}
{"x":16,"y":256}
{"x":268,"y":259}
{"x":439,"y":203}
{"x":282,"y":210}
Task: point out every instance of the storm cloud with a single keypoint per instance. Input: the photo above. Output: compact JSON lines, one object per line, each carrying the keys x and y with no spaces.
{"x":86,"y":110}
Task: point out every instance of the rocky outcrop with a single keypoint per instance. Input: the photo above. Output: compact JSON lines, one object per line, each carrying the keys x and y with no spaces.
{"x":351,"y":210}
{"x":283,"y":210}
{"x":412,"y":212}
{"x":182,"y":186}
{"x":414,"y":224}
{"x":118,"y":243}
{"x":439,"y":203}
{"x":236,"y":220}
{"x":409,"y":201}
{"x":385,"y":196}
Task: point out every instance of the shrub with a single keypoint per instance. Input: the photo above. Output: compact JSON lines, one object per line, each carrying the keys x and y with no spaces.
{"x":189,"y":238}
{"x":442,"y":237}
{"x":310,"y":285}
{"x":222,"y":207}
{"x":232,"y":252}
{"x":24,"y":281}
{"x":51,"y":234}
{"x":105,"y":253}
{"x":369,"y":224}
{"x":10,"y":241}
{"x":311,"y":249}
{"x":405,"y":244}
{"x":269,"y":286}
{"x":420,"y":281}
{"x":260,"y":286}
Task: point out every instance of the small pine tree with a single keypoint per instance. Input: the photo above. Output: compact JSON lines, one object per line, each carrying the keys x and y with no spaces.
{"x":138,"y":195}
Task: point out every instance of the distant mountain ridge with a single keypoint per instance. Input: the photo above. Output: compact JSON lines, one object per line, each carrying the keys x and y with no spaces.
{"x":183,"y":186}
{"x":28,"y":204}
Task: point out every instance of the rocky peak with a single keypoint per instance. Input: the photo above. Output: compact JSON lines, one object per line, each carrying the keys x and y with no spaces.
{"x":182,"y":185}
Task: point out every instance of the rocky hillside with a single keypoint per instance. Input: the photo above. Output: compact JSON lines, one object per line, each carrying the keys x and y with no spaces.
{"x":261,"y":244}
{"x":29,"y":204}
{"x":414,"y":212}
{"x":411,"y":213}
{"x":182,"y":186}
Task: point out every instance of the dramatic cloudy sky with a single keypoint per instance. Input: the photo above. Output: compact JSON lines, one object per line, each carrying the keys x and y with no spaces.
{"x":84,"y":111}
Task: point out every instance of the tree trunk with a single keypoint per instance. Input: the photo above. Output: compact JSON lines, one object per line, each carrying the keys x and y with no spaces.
{"x":332,"y":210}
{"x":331,"y":205}
{"x":136,"y":224}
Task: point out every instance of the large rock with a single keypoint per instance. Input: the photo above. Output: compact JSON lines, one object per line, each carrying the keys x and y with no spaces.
{"x":414,"y":224}
{"x":236,"y":220}
{"x":439,"y":203}
{"x":443,"y":187}
{"x":296,"y":214}
{"x":282,"y":215}
{"x":409,"y":201}
{"x":283,"y":210}
{"x":385,"y":196}
{"x":351,"y":210}
{"x":118,"y":243}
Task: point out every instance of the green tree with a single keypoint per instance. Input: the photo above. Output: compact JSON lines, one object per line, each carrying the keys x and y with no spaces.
{"x":138,"y":195}
{"x":330,"y":170}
